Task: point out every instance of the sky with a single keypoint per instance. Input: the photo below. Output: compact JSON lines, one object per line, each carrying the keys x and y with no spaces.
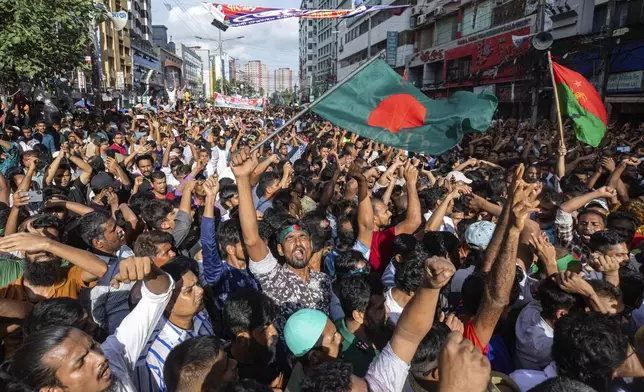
{"x":274,"y":43}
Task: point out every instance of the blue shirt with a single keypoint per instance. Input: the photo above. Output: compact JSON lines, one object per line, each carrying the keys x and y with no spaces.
{"x":48,"y":141}
{"x":224,"y":278}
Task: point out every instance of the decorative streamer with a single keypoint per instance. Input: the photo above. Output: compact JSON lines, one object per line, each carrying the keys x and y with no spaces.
{"x":241,"y":15}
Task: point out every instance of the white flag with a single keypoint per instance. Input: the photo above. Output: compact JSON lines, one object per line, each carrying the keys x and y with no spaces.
{"x":119,"y":19}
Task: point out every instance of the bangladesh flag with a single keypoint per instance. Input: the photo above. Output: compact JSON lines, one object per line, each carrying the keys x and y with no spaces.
{"x":579,"y":100}
{"x":380,"y":105}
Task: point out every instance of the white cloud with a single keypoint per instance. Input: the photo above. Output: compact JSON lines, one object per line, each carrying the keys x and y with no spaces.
{"x":274,"y":43}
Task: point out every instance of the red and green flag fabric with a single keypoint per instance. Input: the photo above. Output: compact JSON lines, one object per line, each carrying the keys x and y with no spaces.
{"x":379,"y":104}
{"x":579,"y":100}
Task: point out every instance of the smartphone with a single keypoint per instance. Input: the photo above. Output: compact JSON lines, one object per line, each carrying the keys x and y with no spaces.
{"x":140,"y":117}
{"x":34,"y":196}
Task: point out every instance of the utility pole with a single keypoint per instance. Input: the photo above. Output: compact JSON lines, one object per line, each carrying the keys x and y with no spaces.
{"x":606,"y":50}
{"x":221,"y":61}
{"x":369,"y":38}
{"x":541,"y":15}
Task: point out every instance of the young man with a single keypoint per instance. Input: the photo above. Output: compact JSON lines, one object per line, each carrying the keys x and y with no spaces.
{"x":363,"y":329}
{"x":156,"y":245}
{"x":45,"y":139}
{"x":184,"y":319}
{"x":118,"y":144}
{"x":198,"y":365}
{"x":293,"y":285}
{"x":63,"y":357}
{"x":230,"y":274}
{"x":161,"y":215}
{"x":249,"y":323}
{"x":160,"y":186}
{"x":44,"y":277}
{"x":109,"y":306}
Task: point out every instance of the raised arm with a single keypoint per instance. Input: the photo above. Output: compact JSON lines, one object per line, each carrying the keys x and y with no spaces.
{"x":53,"y":168}
{"x":213,"y":266}
{"x":243,"y":165}
{"x":262,"y":167}
{"x":438,"y":214}
{"x":496,"y":295}
{"x":418,"y":316}
{"x":365,"y":209}
{"x":93,"y":267}
{"x":578,"y":202}
{"x":85,"y":167}
{"x":412,"y":216}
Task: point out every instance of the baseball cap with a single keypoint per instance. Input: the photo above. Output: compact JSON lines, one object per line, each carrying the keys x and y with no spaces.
{"x":303,"y":330}
{"x":103,"y":180}
{"x":479,"y":234}
{"x":601,"y":203}
{"x":458,"y":176}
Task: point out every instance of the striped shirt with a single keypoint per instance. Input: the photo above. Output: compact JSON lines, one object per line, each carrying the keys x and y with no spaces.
{"x":148,"y":372}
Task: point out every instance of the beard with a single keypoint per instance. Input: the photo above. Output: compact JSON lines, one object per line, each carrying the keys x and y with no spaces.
{"x":298,"y":261}
{"x":264,"y":356}
{"x":43,"y":272}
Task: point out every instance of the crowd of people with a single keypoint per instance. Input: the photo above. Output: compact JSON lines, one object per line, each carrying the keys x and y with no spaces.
{"x":158,"y":250}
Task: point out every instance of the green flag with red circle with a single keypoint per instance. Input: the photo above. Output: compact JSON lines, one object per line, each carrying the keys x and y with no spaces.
{"x":379,"y":104}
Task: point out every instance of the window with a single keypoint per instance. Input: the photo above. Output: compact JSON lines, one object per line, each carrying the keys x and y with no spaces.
{"x":446,"y":29}
{"x":310,"y":46}
{"x":310,"y":57}
{"x":426,"y":38}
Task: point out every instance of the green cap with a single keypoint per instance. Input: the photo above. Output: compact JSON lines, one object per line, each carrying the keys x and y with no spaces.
{"x":303,"y":330}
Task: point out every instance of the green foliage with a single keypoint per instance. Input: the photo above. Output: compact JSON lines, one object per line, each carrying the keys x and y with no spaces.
{"x":43,"y":39}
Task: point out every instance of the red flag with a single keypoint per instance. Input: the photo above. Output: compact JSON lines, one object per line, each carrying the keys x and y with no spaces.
{"x":405,"y":74}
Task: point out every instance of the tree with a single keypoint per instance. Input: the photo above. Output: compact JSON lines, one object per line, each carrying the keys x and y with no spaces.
{"x":45,"y":39}
{"x":261,"y":91}
{"x":288,"y":96}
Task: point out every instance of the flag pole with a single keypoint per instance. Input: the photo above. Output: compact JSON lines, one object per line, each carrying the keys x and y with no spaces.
{"x":317,"y":101}
{"x":554,"y":89}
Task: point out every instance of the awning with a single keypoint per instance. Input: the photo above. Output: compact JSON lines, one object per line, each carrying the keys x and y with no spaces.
{"x":639,"y":98}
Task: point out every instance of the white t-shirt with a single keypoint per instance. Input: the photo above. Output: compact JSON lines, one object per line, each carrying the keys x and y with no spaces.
{"x":395,"y":310}
{"x":387,"y":373}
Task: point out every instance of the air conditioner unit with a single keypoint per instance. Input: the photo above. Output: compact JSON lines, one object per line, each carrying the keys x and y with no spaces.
{"x":415,"y":10}
{"x":421,"y":20}
{"x":438,"y":10}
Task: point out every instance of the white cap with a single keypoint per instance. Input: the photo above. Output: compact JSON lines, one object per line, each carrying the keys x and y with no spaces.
{"x":458,"y":176}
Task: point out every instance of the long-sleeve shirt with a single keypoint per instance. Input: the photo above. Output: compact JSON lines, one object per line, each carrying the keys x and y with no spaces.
{"x":224,"y":278}
{"x":123,"y":348}
{"x":148,"y":375}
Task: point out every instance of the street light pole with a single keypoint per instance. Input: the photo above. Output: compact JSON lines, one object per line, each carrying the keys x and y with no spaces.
{"x":221,"y":62}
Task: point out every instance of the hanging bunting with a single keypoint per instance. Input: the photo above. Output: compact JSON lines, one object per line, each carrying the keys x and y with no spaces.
{"x":241,"y":15}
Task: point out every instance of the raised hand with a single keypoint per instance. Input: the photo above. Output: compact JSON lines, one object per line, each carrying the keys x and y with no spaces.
{"x":356,"y":172}
{"x":26,"y":242}
{"x":604,"y":263}
{"x":607,"y":192}
{"x":410,"y":174}
{"x":243,"y":164}
{"x":132,"y":269}
{"x":438,"y":272}
{"x":452,"y":322}
{"x":542,"y":247}
{"x":20,"y":199}
{"x":573,"y":283}
{"x":211,"y":186}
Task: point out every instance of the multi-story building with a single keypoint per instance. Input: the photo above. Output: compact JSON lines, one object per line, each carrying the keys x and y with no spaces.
{"x":116,"y":58}
{"x":308,"y":31}
{"x":607,"y":48}
{"x":145,"y":60}
{"x":140,"y":19}
{"x":171,"y":67}
{"x":355,"y":36}
{"x":325,"y":69}
{"x":256,"y":74}
{"x":207,"y":72}
{"x":283,"y":78}
{"x":192,"y":70}
{"x":160,"y":36}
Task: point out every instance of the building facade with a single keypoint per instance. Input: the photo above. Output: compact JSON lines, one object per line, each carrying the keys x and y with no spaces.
{"x":192,"y":70}
{"x":140,"y":19}
{"x":171,"y":68}
{"x":115,"y":58}
{"x":256,"y":75}
{"x":355,"y":38}
{"x":308,"y":34}
{"x":207,"y":72}
{"x":283,"y":78}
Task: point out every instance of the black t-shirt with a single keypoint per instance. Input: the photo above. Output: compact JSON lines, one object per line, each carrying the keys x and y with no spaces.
{"x":78,"y":192}
{"x":263,"y":375}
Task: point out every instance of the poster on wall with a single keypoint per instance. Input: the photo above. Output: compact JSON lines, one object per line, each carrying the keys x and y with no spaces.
{"x":226,"y":101}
